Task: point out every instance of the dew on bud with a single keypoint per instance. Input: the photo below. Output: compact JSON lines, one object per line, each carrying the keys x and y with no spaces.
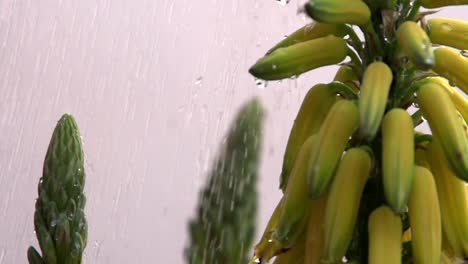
{"x":446,"y":27}
{"x":262,"y":84}
{"x":425,"y":45}
{"x":53,"y":223}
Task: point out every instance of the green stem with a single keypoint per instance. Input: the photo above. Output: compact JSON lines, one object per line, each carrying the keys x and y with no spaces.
{"x":418,"y":139}
{"x":417,"y":118}
{"x":356,"y":42}
{"x":355,"y":60}
{"x":414,"y":10}
{"x":344,"y":90}
{"x":373,"y":40}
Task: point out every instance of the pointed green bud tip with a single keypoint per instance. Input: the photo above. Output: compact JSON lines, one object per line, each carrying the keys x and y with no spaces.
{"x":59,"y":207}
{"x":415,"y":43}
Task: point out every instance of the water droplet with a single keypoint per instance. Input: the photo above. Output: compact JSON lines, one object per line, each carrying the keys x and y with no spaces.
{"x":400,"y":7}
{"x":274,"y":66}
{"x":425,"y":45}
{"x":464,"y":53}
{"x":70,"y":216}
{"x":96,"y":244}
{"x":446,"y":27}
{"x":198,"y":81}
{"x":262,"y":84}
{"x":282,"y":2}
{"x":294,"y":77}
{"x":302,"y":13}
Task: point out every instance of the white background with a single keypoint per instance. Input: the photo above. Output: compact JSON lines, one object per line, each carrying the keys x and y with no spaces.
{"x":153,"y":86}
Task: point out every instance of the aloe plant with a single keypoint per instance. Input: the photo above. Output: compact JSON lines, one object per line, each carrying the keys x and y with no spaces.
{"x":59,"y":219}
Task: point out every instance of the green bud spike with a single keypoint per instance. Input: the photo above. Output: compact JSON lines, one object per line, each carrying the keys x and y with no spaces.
{"x":59,"y":219}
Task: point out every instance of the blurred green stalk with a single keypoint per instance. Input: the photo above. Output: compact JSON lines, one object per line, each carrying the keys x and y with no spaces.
{"x":224,"y":227}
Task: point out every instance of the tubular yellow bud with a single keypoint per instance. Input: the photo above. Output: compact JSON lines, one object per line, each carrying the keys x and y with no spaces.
{"x":425,"y":221}
{"x":296,"y":204}
{"x":385,"y":230}
{"x":445,"y":126}
{"x":299,"y":58}
{"x":453,"y":66}
{"x":314,"y":242}
{"x":397,"y":157}
{"x":311,"y":31}
{"x":458,"y":99}
{"x":339,"y":12}
{"x":337,"y":128}
{"x":343,"y":203}
{"x":374,"y":93}
{"x":415,"y":44}
{"x":314,"y":108}
{"x":265,"y":249}
{"x":449,"y":32}
{"x":453,"y":200}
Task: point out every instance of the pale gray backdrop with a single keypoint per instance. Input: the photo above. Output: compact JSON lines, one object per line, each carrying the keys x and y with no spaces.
{"x":154,"y":85}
